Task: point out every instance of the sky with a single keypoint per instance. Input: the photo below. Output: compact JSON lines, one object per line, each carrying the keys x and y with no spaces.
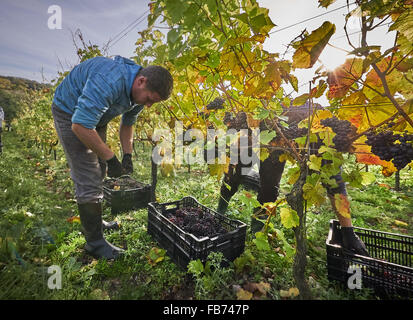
{"x":29,"y":48}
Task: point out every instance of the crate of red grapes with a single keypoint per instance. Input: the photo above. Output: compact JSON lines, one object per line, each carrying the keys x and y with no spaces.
{"x":188,"y":230}
{"x":388,"y":270}
{"x":125,"y":193}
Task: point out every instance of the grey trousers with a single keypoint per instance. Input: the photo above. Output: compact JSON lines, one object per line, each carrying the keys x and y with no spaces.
{"x":86,"y":169}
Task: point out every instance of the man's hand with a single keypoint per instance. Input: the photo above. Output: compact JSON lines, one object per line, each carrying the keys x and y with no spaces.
{"x":127,"y":165}
{"x":352,"y":242}
{"x":114,"y":167}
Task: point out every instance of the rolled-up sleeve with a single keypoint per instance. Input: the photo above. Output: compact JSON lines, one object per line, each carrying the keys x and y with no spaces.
{"x":129,"y":118}
{"x":98,"y":94}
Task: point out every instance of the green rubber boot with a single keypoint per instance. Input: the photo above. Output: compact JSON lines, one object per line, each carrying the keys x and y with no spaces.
{"x":96,"y":245}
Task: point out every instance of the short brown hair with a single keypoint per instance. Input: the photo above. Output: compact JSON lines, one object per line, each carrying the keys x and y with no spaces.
{"x":159,"y":80}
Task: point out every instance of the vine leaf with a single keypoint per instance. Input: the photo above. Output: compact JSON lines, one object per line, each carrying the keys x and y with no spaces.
{"x":300,"y":100}
{"x":314,"y":194}
{"x":155,"y":256}
{"x":342,"y":78}
{"x":261,"y":241}
{"x":364,"y":155}
{"x":325,"y":3}
{"x":267,"y":135}
{"x":309,"y":49}
{"x":289,"y":217}
{"x":342,"y":205}
{"x":315,"y":162}
{"x":404,"y":24}
{"x":368,"y":178}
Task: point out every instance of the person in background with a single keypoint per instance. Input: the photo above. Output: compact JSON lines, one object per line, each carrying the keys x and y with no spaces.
{"x":1,"y":127}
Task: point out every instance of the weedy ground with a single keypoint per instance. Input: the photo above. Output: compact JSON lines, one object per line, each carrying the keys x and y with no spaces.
{"x":36,"y":232}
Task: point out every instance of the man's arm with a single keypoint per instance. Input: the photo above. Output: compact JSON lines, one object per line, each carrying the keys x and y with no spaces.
{"x":91,"y":139}
{"x":126,"y":138}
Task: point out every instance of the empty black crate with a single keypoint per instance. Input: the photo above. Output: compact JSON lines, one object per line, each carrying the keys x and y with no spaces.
{"x":127,"y":199}
{"x":183,"y":246}
{"x":389,"y":270}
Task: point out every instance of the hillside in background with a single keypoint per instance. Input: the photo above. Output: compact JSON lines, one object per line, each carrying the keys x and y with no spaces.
{"x":12,"y":91}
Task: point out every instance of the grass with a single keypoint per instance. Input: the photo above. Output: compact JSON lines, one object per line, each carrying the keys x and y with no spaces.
{"x":36,"y":199}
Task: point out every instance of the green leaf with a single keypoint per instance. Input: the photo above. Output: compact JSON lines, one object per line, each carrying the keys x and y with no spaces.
{"x":190,"y":17}
{"x":243,"y":17}
{"x":354,"y":178}
{"x":315,"y":162}
{"x":244,"y":260}
{"x":314,"y":193}
{"x":196,"y":267}
{"x":368,"y":178}
{"x":289,"y":217}
{"x":404,"y":24}
{"x":214,"y":60}
{"x":262,"y":114}
{"x":300,"y":100}
{"x":266,"y":136}
{"x":288,"y":249}
{"x":259,"y":20}
{"x":293,"y":175}
{"x":249,"y":201}
{"x":175,"y":9}
{"x":301,"y":140}
{"x":261,"y":241}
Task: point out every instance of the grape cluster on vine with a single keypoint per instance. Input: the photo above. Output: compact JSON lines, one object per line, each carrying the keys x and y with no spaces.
{"x":217,"y":103}
{"x":293,"y":132}
{"x":238,"y":122}
{"x":344,"y":131}
{"x":390,"y":146}
{"x":196,"y":221}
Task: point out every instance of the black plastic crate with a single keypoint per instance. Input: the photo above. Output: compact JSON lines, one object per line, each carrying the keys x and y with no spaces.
{"x":129,"y":199}
{"x":388,"y":270}
{"x":183,"y":246}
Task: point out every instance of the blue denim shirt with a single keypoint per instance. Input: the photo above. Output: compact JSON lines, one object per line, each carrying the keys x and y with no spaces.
{"x":98,"y":90}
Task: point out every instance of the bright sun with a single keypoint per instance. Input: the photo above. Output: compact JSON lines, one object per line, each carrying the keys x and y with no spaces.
{"x":331,"y":57}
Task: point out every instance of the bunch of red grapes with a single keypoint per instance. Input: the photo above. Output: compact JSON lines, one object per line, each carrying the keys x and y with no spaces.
{"x":196,"y":221}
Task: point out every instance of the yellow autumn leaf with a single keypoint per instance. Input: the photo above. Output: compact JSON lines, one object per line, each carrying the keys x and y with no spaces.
{"x":244,"y":295}
{"x":264,"y":154}
{"x":401,"y":223}
{"x":294,"y":292}
{"x":316,"y":125}
{"x":74,"y":219}
{"x":263,"y":287}
{"x":289,"y":217}
{"x":285,"y":157}
{"x":291,"y":293}
{"x":293,"y":176}
{"x":342,"y":205}
{"x":310,"y":48}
